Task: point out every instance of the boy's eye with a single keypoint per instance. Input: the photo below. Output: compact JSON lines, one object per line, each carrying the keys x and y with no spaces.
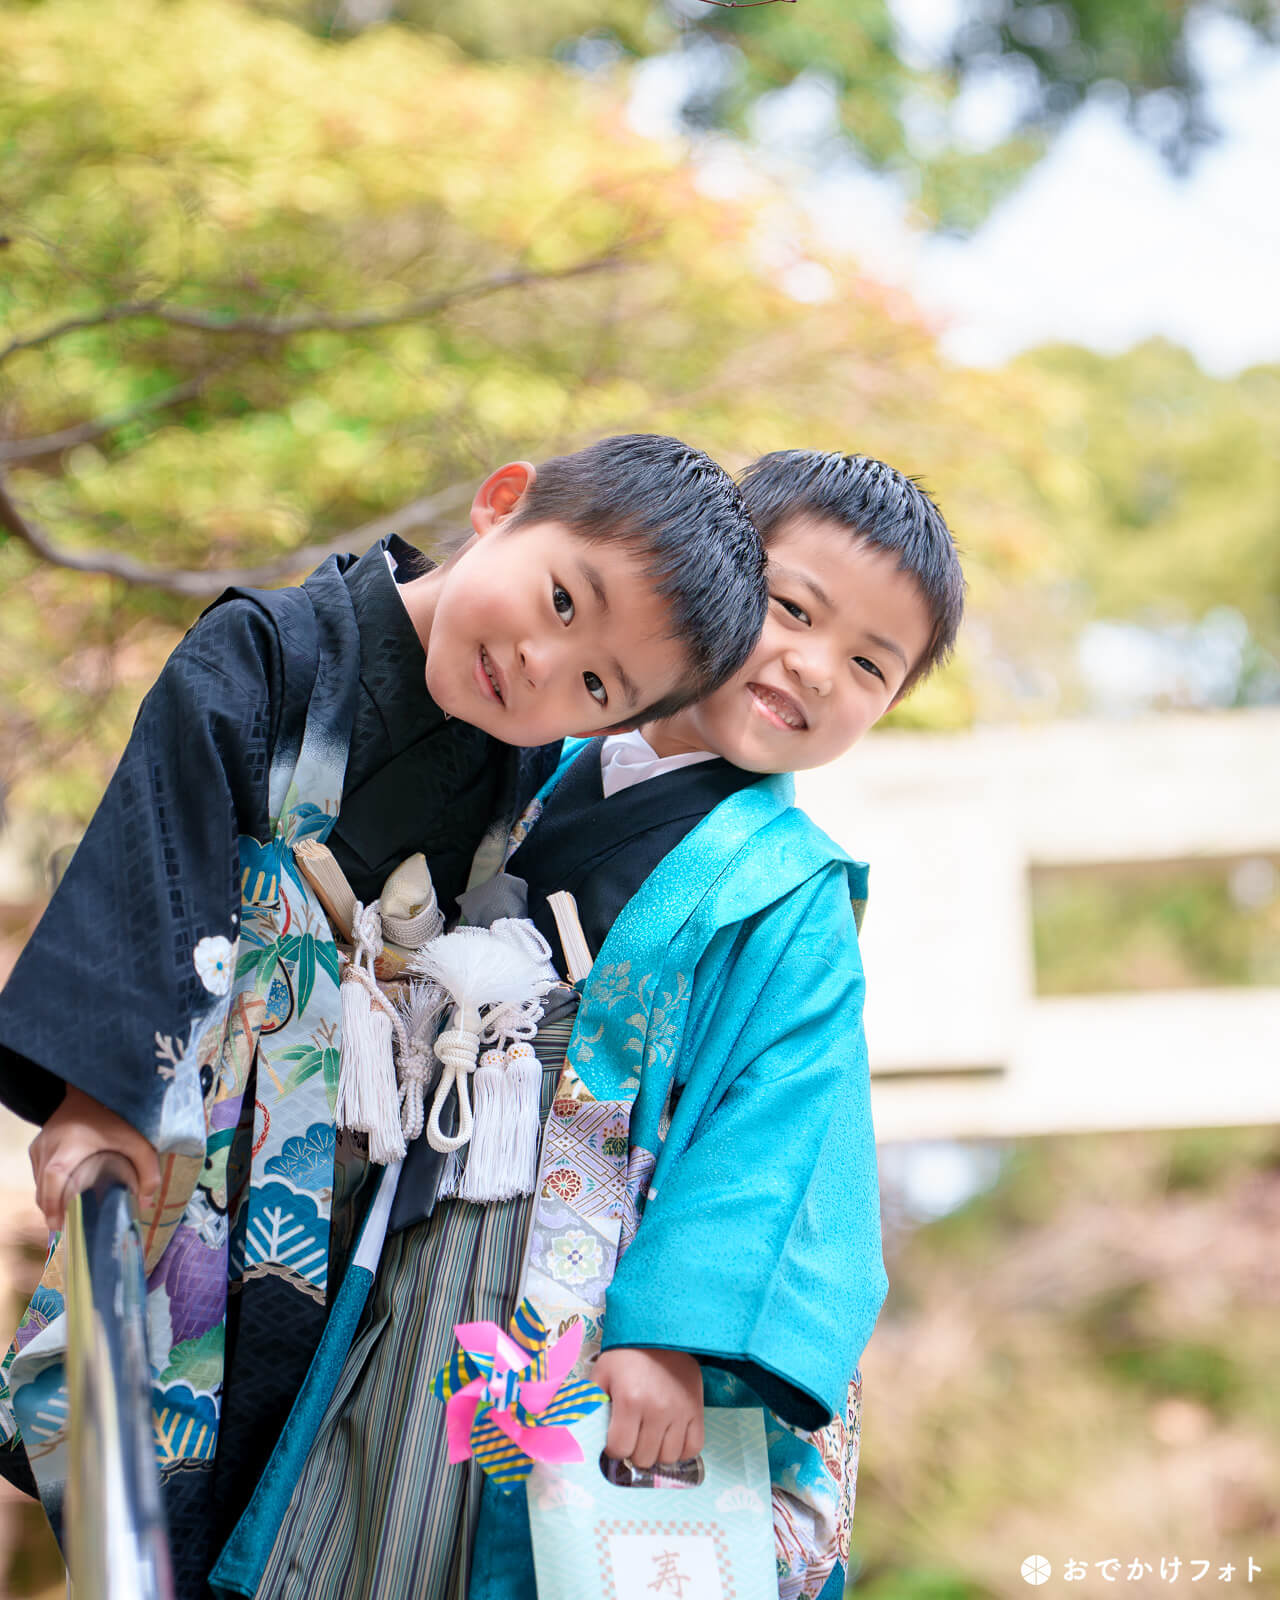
{"x":563,"y":602}
{"x":869,"y":666}
{"x":798,"y":612}
{"x":595,"y":688}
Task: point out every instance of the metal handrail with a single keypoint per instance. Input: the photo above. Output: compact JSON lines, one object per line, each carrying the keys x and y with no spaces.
{"x":113,"y":1516}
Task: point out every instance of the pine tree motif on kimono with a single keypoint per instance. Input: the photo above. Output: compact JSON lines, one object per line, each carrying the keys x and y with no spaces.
{"x":273,"y":991}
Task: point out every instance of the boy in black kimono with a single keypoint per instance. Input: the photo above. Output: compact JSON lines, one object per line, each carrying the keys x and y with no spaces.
{"x":376,"y":708}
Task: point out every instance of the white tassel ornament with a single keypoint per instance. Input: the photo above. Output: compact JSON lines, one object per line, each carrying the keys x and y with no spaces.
{"x":450,"y":1174}
{"x":368,"y":1100}
{"x":418,"y":1014}
{"x":487,"y":1173}
{"x":479,"y":968}
{"x":523,"y":1114}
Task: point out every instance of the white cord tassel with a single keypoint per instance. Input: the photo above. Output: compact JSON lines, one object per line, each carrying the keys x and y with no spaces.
{"x":523,"y":1115}
{"x":450,"y":1173}
{"x":523,"y":935}
{"x":457,"y":1049}
{"x":502,"y":1159}
{"x":487,"y":1175}
{"x":419,"y":1013}
{"x":368,"y":1101}
{"x":478,"y":968}
{"x":416,"y":1067}
{"x":515,"y":1019}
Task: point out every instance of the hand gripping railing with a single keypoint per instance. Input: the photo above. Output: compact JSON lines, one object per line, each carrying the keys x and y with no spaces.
{"x":113,"y":1518}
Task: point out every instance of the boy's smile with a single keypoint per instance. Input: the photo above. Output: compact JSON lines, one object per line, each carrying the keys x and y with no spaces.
{"x":783,"y":710}
{"x":844,"y":628}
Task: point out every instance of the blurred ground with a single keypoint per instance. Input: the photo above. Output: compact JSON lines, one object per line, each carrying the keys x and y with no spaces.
{"x":1080,"y":1364}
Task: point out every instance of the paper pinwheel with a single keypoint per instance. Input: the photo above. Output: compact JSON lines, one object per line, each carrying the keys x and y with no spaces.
{"x":507,"y":1400}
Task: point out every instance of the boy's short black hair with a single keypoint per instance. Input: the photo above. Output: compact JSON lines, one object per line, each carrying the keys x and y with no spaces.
{"x":876,"y":503}
{"x":684,"y":517}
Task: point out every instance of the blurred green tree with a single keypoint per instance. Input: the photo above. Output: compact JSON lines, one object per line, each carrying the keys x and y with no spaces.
{"x":267,"y":293}
{"x":890,"y":95}
{"x":1164,"y":481}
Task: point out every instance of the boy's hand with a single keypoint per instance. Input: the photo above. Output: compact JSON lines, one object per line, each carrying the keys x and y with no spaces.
{"x":78,"y":1129}
{"x":656,"y":1400}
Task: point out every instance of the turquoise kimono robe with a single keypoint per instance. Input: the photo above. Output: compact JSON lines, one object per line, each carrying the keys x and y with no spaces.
{"x":721,"y":1029}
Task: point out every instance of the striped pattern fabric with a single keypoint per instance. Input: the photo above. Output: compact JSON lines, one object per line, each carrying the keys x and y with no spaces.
{"x":378,"y":1509}
{"x":496,"y":1455}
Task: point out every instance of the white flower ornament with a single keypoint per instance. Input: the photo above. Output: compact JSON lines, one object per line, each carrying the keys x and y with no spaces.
{"x":215,"y":962}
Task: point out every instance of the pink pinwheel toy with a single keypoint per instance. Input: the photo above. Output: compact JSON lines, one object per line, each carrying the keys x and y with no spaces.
{"x":507,"y":1400}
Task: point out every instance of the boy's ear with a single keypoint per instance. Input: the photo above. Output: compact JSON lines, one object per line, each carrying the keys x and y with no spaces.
{"x":499,"y":494}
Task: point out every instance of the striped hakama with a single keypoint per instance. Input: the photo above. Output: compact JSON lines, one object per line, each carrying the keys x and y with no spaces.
{"x":379,"y":1509}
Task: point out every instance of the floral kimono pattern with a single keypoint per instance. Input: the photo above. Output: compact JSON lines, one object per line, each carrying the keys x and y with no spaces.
{"x":205,"y":1011}
{"x":243,"y":1124}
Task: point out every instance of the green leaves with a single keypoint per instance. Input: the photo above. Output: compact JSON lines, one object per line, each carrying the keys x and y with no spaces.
{"x":261,"y":960}
{"x":306,"y":959}
{"x":306,"y":950}
{"x":226,"y":163}
{"x":307,"y":1060}
{"x":1059,"y":52}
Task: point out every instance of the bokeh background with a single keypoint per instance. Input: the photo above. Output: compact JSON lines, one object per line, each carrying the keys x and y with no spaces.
{"x":278,"y":277}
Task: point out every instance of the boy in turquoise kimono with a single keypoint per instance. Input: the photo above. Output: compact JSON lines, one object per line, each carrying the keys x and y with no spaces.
{"x":752,"y":1272}
{"x":178,"y":1001}
{"x":707,"y":1202}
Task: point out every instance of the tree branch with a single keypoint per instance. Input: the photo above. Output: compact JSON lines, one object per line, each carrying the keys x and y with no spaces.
{"x":421,"y":513}
{"x":47,"y":444}
{"x":290,"y":327}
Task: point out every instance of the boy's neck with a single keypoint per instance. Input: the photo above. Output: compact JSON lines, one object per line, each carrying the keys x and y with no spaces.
{"x":673,"y":737}
{"x":420,"y":596}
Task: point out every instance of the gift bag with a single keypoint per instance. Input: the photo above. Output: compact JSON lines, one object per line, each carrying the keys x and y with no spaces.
{"x":710,"y":1541}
